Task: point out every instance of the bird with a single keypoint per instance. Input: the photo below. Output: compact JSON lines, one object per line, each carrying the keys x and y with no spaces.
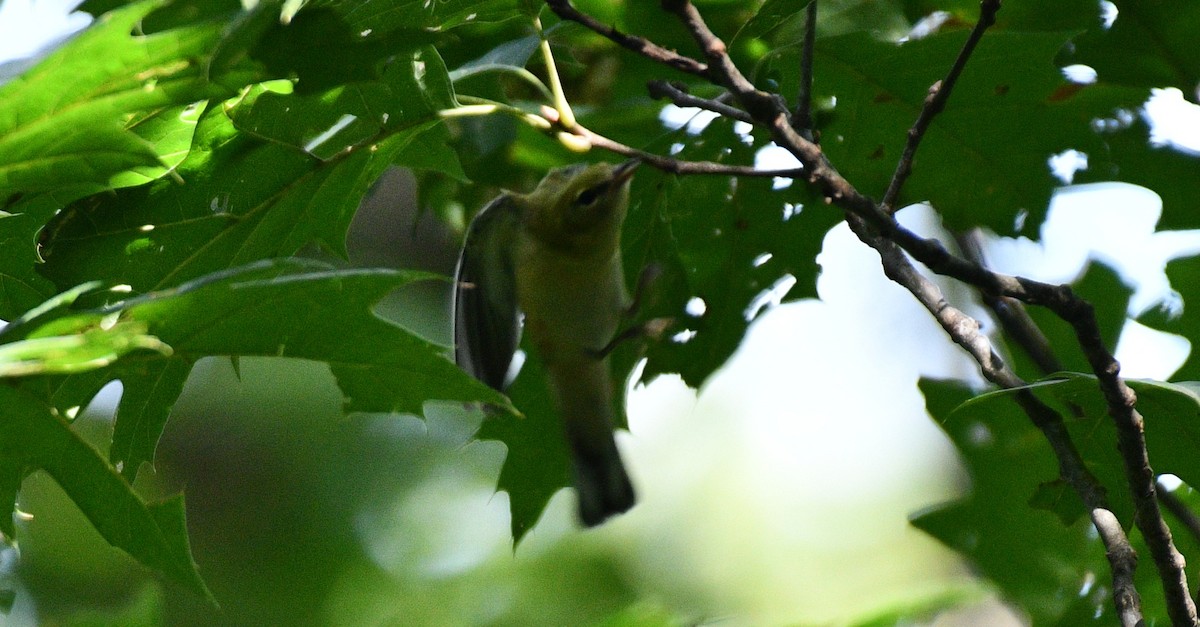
{"x":548,"y":263}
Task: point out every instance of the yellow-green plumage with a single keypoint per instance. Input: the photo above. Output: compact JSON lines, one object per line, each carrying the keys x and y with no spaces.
{"x":554,"y":254}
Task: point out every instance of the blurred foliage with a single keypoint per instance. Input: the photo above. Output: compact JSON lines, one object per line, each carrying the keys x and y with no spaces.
{"x":177,"y":183}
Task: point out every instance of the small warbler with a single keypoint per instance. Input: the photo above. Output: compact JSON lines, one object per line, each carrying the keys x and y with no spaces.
{"x":554,"y":255}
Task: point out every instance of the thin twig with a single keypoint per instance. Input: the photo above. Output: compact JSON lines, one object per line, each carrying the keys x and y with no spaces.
{"x":768,"y":112}
{"x":1011,"y":313}
{"x":965,"y":331}
{"x":677,"y":93}
{"x":802,"y":116}
{"x":939,"y":93}
{"x":1060,"y":299}
{"x":567,"y":11}
{"x":1176,"y":506}
{"x":677,"y":166}
{"x":1123,"y":559}
{"x":1189,"y":518}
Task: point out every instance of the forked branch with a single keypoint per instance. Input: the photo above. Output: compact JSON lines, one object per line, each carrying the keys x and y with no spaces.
{"x":876,"y":225}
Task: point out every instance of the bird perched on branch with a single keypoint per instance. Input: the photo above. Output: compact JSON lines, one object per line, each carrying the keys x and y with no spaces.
{"x":554,"y":256}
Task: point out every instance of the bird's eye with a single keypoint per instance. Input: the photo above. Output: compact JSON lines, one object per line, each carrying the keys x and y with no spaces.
{"x":589,"y":195}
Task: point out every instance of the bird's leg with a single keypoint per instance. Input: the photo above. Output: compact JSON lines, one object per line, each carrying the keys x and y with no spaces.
{"x":653,"y":328}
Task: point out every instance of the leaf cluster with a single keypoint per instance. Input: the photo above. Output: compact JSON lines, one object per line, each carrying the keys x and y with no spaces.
{"x":166,"y":175}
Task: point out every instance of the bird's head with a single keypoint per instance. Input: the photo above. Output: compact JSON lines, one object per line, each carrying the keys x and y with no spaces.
{"x":580,"y":208}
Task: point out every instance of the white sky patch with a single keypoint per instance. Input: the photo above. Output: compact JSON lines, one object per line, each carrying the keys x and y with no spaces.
{"x":684,"y":336}
{"x":1108,"y":13}
{"x":1174,"y":121}
{"x":773,"y":157}
{"x":27,"y":26}
{"x":695,"y":118}
{"x":1146,"y":353}
{"x":1065,"y":164}
{"x":1082,"y":74}
{"x":1111,"y":222}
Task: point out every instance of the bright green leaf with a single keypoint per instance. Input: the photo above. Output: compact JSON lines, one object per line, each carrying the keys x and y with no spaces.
{"x":64,"y":122}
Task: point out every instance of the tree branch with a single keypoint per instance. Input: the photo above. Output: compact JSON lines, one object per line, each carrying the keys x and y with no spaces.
{"x":676,"y":166}
{"x":939,"y":93}
{"x":1011,"y":313}
{"x":567,"y":11}
{"x":768,"y":112}
{"x":1059,"y":299}
{"x":677,"y":93}
{"x":1123,"y":559}
{"x":802,"y":116}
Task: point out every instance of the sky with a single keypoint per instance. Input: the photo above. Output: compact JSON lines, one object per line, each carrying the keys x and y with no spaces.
{"x":26,"y":26}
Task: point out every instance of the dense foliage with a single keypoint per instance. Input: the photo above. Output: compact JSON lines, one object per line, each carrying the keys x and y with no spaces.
{"x":168,"y":175}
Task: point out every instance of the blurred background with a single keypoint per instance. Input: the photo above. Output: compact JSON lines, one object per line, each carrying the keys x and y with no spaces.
{"x":776,"y":494}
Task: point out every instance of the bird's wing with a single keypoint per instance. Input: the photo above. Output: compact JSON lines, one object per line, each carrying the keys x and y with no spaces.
{"x":487,"y":326}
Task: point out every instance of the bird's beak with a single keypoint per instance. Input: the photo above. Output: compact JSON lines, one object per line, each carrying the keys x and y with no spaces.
{"x":624,"y":172}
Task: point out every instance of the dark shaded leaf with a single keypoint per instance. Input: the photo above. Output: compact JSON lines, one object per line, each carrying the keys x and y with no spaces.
{"x":725,"y":242}
{"x":1127,"y":155}
{"x":1152,"y":43}
{"x":154,"y":533}
{"x":984,"y":159}
{"x":1184,"y":275}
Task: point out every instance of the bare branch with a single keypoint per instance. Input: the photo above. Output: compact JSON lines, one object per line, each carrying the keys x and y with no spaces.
{"x":1059,"y":299}
{"x":802,"y":116}
{"x":677,"y":166}
{"x":1123,"y":559}
{"x":1011,"y":313}
{"x":567,"y":11}
{"x":767,"y":111}
{"x":678,"y":94}
{"x":939,"y":93}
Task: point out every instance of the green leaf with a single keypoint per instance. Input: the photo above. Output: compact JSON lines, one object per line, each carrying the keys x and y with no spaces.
{"x":148,"y":392}
{"x":164,"y":234}
{"x":153,"y":533}
{"x":431,"y":150}
{"x":1184,"y":275}
{"x":320,"y":50}
{"x":882,"y":18}
{"x":538,"y":462}
{"x":410,"y":93}
{"x":293,"y":309}
{"x":289,"y":309}
{"x":1151,"y":44}
{"x":1061,"y":16}
{"x":983,"y":160}
{"x":63,"y":124}
{"x":1127,"y":155}
{"x":21,"y":287}
{"x":1038,"y":561}
{"x":168,"y":132}
{"x":383,"y":16}
{"x":90,"y":345}
{"x":771,"y":15}
{"x":726,"y":243}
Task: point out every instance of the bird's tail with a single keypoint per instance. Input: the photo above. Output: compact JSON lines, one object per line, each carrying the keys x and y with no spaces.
{"x":604,"y":487}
